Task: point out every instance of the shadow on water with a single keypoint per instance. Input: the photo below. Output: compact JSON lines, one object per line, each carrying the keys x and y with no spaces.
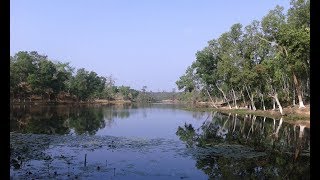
{"x":249,"y":147}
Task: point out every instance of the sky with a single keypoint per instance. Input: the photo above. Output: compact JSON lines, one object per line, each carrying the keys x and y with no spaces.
{"x":139,"y":42}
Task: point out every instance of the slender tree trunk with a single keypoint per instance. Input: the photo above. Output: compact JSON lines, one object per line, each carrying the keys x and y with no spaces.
{"x":275,"y":96}
{"x":212,"y":103}
{"x":251,"y":99}
{"x":294,"y":132}
{"x":244,"y":123}
{"x":252,"y":103}
{"x":273,"y":104}
{"x":235,"y":99}
{"x":286,"y":88}
{"x":253,"y":120}
{"x":251,"y":127}
{"x":224,"y":124}
{"x":297,"y":85}
{"x":263,"y":124}
{"x":278,"y":128}
{"x":234,"y":123}
{"x":264,"y":108}
{"x":224,"y":96}
{"x":299,"y":141}
{"x":274,"y":124}
{"x":294,"y":97}
{"x":301,"y":127}
{"x":244,"y":100}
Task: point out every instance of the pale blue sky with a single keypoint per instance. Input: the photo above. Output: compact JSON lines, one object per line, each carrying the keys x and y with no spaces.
{"x":139,"y":42}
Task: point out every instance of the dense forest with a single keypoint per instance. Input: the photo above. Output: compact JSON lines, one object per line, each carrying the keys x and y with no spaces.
{"x":34,"y":77}
{"x":261,"y":65}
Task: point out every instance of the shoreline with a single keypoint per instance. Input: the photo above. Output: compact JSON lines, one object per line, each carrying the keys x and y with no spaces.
{"x":71,"y":102}
{"x":292,"y":114}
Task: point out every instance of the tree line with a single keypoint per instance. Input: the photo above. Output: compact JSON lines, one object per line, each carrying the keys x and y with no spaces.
{"x":35,"y":77}
{"x":263,"y":64}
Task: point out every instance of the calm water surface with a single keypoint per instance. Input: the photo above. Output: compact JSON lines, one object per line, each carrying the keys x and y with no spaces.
{"x":155,"y":141}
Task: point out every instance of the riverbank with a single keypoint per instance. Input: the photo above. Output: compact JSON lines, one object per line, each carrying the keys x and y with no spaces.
{"x":291,"y":113}
{"x":98,"y":101}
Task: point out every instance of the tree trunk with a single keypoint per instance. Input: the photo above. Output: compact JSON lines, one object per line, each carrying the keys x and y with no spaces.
{"x":244,"y":123}
{"x":235,"y":99}
{"x":224,"y":96}
{"x":251,"y":99}
{"x":212,"y":103}
{"x":297,"y":85}
{"x":263,"y":124}
{"x":278,"y":103}
{"x":274,"y":124}
{"x":301,"y":127}
{"x":278,"y":128}
{"x":253,"y":119}
{"x":252,"y":103}
{"x":299,"y":142}
{"x":234,"y":123}
{"x":286,"y":88}
{"x":273,"y":104}
{"x":225,"y":123}
{"x":294,"y":98}
{"x":264,"y":108}
{"x":244,"y":100}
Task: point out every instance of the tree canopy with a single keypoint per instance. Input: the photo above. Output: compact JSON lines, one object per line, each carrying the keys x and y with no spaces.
{"x":35,"y":76}
{"x":264,"y":63}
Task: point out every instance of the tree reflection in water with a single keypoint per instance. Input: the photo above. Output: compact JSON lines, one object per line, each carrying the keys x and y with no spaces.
{"x":87,"y":120}
{"x":38,"y":120}
{"x":61,"y":119}
{"x":286,"y":149}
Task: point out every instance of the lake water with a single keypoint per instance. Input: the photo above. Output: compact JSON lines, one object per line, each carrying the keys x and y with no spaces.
{"x":154,"y":141}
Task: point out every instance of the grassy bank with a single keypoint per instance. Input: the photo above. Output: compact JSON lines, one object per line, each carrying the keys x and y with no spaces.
{"x":291,"y":114}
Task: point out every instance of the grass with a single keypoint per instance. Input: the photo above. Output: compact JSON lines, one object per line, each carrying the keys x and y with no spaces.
{"x":267,"y":113}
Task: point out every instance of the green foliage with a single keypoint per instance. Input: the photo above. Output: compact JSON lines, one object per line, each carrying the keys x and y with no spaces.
{"x":87,"y":121}
{"x":186,"y":134}
{"x":125,"y":92}
{"x":187,"y":82}
{"x":266,"y":57}
{"x":32,"y":74}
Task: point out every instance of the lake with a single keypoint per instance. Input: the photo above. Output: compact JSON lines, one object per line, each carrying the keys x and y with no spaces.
{"x":153,"y":141}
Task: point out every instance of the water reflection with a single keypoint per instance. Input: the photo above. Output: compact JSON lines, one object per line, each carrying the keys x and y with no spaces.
{"x":61,"y":119}
{"x":86,"y":121}
{"x":219,"y":146}
{"x":43,"y":120}
{"x":287,"y":147}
